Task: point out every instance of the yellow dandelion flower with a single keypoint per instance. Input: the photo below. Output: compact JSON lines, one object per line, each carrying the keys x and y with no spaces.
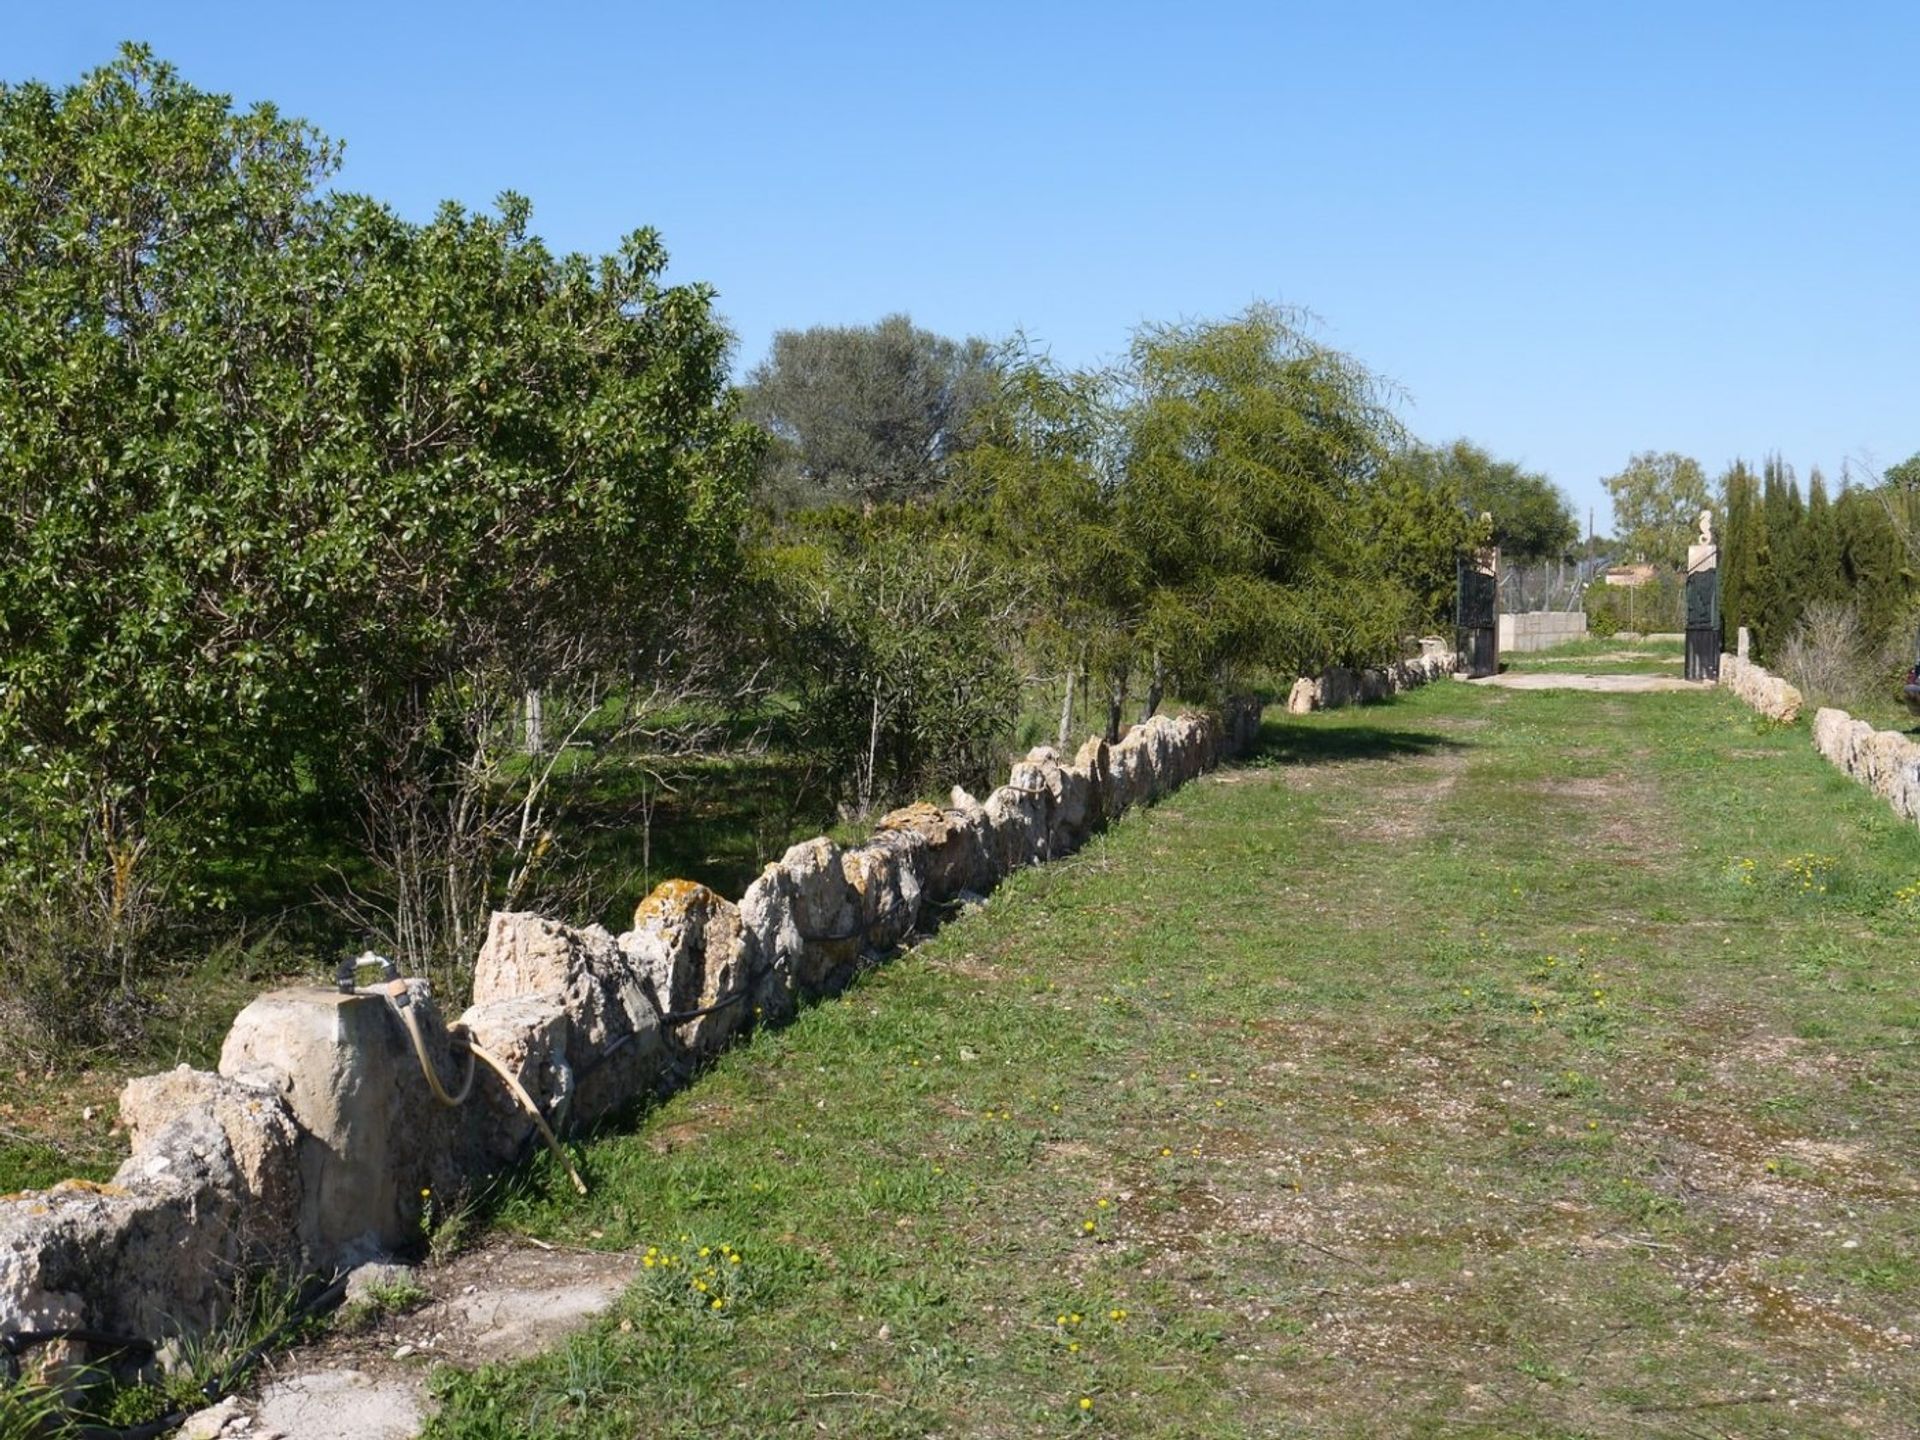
{"x":1086,"y":1402}
{"x":1087,"y":1226}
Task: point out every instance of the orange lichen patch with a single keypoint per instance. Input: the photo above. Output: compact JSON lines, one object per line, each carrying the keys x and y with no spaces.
{"x":86,"y":1187}
{"x":666,"y":900}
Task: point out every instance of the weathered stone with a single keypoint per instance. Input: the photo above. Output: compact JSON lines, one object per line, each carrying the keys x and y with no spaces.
{"x":885,"y":879}
{"x":697,"y":960}
{"x":372,"y":1135}
{"x":947,"y":847}
{"x":530,"y":1036}
{"x":1760,"y":690}
{"x":1017,"y":824}
{"x":261,"y":1135}
{"x":1304,"y":697}
{"x":154,"y":1252}
{"x":368,"y":1283}
{"x":1094,"y":761}
{"x":805,"y":925}
{"x":617,"y":1049}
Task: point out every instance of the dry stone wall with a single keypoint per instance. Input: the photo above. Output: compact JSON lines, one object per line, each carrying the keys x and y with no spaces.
{"x":1341,"y":686}
{"x":319,"y":1143}
{"x":1760,"y":689}
{"x":1885,"y":761}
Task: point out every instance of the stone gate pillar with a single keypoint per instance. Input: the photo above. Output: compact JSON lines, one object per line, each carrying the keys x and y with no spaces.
{"x":1703,"y":604}
{"x":1476,"y":617}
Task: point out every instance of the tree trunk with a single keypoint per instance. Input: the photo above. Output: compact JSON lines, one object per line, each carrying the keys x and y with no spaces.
{"x":536,"y":731}
{"x":1155,"y":691}
{"x":1116,"y":697}
{"x":1066,"y":715}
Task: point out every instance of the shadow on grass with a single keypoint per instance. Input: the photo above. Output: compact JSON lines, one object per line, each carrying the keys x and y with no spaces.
{"x":1285,"y":744}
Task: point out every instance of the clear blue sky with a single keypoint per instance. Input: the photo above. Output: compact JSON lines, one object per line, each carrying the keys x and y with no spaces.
{"x":1567,"y":232}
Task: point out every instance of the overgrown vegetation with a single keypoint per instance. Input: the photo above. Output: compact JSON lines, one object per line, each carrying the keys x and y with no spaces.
{"x":1445,"y":1073}
{"x":359,"y":576}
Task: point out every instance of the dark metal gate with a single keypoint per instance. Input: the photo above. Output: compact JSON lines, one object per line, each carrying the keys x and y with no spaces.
{"x":1703,"y":623}
{"x":1476,"y":617}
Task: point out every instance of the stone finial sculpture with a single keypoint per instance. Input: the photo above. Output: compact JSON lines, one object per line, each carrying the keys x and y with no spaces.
{"x":1706,"y":527}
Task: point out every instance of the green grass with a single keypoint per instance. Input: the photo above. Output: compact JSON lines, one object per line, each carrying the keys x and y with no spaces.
{"x":1610,"y":656}
{"x":1488,"y":1063}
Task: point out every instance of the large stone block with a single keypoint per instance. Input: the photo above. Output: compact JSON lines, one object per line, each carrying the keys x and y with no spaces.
{"x":884,"y":875}
{"x":691,"y":945}
{"x":373,"y":1137}
{"x":155,"y":1253}
{"x":617,"y":1050}
{"x":263,"y":1143}
{"x":529,"y":1035}
{"x":802,"y":919}
{"x":950,"y":848}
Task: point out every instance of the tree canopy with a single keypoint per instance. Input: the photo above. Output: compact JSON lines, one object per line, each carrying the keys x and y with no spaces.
{"x":275,"y":463}
{"x":1657,"y":500}
{"x":864,"y":413}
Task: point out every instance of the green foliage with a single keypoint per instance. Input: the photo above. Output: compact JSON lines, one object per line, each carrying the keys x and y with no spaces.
{"x":1203,"y":514}
{"x":1657,"y":502}
{"x":1656,"y":607}
{"x":1532,"y":519}
{"x":892,"y":645}
{"x":864,"y":413}
{"x":285,"y":481}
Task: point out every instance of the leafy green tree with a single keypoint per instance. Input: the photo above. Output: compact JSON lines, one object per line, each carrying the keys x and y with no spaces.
{"x":1532,"y":519}
{"x":292,"y":491}
{"x":1657,"y":500}
{"x":1740,"y":536}
{"x":1247,"y":449}
{"x":1419,"y":521}
{"x":864,"y":414}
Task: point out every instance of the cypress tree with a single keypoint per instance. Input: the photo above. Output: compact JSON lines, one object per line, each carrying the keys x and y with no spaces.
{"x":1737,"y":562}
{"x":1820,"y":550}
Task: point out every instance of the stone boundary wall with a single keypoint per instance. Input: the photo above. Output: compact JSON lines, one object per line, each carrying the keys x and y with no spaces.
{"x":1340,"y":686}
{"x":318,"y":1143}
{"x":1760,"y":689}
{"x":1885,"y":761}
{"x":1531,"y":630}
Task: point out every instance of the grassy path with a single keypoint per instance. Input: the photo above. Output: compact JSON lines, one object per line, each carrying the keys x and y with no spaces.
{"x":1489,"y":1063}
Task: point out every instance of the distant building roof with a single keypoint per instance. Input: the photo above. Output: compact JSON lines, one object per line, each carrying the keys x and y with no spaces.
{"x":1631,"y":575}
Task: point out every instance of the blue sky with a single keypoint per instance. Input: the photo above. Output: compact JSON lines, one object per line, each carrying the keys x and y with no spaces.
{"x":1569,"y":232}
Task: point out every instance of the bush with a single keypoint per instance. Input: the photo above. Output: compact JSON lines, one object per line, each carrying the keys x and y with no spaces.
{"x":1658,"y":606}
{"x":1829,"y":656}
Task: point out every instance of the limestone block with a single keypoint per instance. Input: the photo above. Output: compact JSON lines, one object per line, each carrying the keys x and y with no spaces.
{"x":1069,"y":790}
{"x":262,"y":1140}
{"x":805,"y":926}
{"x":617,"y":1050}
{"x":1018,"y":833}
{"x":1304,"y":697}
{"x":1829,"y":729}
{"x":949,"y":848}
{"x":151,"y":1254}
{"x":529,"y":1034}
{"x":372,"y":1134}
{"x":1094,"y":760}
{"x":697,"y":958}
{"x":884,"y":875}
